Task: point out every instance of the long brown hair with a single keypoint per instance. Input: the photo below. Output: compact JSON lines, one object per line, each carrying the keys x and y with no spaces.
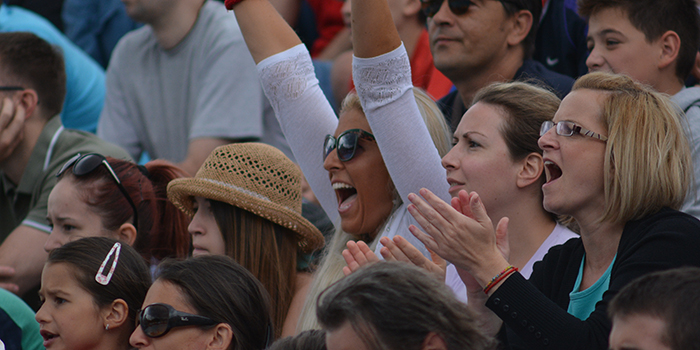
{"x":267,"y":250}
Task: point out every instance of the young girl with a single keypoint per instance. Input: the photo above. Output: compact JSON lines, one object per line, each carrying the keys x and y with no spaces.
{"x":91,"y":290}
{"x":246,"y":203}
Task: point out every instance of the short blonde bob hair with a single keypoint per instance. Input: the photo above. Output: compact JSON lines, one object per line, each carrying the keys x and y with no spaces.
{"x":648,"y":164}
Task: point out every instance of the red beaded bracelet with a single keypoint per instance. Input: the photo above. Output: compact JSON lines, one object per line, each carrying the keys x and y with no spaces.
{"x":230,"y":3}
{"x":500,"y":277}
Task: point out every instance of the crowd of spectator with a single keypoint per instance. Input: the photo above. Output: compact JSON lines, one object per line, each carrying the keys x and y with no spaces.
{"x":357,"y":174}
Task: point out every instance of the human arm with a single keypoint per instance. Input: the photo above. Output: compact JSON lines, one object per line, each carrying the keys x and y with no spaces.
{"x":288,"y":78}
{"x":303,"y":284}
{"x":23,"y":251}
{"x":197,"y":151}
{"x":382,"y":76}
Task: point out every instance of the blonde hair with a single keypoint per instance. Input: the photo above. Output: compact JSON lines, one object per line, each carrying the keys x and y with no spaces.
{"x":648,"y":164}
{"x":331,"y":267}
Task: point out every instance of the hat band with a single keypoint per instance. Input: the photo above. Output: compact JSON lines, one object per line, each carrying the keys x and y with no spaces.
{"x":246,"y":191}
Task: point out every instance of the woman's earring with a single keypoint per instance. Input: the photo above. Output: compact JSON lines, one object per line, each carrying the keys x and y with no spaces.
{"x":107,"y":327}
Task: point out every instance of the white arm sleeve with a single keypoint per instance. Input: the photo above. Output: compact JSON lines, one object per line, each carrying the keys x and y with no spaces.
{"x":304,"y":114}
{"x":385,"y":89}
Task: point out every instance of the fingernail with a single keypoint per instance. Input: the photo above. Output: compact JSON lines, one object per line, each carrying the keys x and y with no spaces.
{"x":411,"y":196}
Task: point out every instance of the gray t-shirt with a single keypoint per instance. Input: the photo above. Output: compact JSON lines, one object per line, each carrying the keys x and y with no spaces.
{"x":206,"y":87}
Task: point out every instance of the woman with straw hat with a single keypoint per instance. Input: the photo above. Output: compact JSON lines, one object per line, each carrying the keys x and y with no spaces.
{"x":245,"y":202}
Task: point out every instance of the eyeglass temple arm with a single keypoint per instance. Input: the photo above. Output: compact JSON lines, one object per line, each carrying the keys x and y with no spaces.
{"x":123,"y":191}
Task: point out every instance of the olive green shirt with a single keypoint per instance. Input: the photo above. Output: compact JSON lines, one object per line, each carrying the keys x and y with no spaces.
{"x":26,"y":203}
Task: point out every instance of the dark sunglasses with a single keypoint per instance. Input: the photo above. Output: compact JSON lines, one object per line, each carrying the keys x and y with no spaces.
{"x":458,"y":7}
{"x":156,"y":320}
{"x":85,"y":164}
{"x":346,"y":143}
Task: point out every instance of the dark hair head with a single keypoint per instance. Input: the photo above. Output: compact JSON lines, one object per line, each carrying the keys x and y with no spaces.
{"x":28,"y":61}
{"x":162,"y":230}
{"x":535,"y":8}
{"x":219,"y":288}
{"x":393,"y":305}
{"x":670,"y":296}
{"x":654,"y":18}
{"x":130,"y":281}
{"x":307,"y":340}
{"x":267,"y":250}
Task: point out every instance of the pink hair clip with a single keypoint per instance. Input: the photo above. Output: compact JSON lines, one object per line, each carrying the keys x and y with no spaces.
{"x":100,"y":277}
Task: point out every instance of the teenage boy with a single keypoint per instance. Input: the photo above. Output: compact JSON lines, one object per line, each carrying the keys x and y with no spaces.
{"x":659,"y":311}
{"x":654,"y":42}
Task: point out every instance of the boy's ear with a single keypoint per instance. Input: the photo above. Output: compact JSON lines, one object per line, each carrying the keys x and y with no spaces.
{"x":670,"y":47}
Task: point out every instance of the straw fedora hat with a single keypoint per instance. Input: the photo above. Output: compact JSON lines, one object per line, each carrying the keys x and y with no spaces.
{"x":255,"y":177}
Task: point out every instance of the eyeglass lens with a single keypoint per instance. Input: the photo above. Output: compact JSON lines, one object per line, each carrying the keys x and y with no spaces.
{"x":458,"y":7}
{"x":154,"y":320}
{"x":345,"y":145}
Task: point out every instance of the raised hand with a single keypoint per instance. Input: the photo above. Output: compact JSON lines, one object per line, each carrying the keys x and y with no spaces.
{"x":357,"y":255}
{"x":11,"y":127}
{"x":465,"y":237}
{"x":401,"y":250}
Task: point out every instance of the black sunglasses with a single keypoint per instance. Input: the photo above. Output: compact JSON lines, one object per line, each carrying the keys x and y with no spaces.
{"x":458,"y":7}
{"x":85,"y":164}
{"x":157,"y":320}
{"x":346,"y":143}
{"x":11,"y":88}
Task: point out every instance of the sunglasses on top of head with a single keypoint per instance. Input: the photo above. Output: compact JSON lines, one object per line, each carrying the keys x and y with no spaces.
{"x":156,"y":320}
{"x":85,"y":164}
{"x":345,"y":143}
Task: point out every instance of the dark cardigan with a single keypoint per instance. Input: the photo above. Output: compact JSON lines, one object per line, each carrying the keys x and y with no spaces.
{"x":534,"y":311}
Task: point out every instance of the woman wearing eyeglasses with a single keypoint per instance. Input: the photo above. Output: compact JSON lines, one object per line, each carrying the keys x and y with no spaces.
{"x":206,"y":302}
{"x":98,"y":196}
{"x":617,"y":160}
{"x":367,"y":175}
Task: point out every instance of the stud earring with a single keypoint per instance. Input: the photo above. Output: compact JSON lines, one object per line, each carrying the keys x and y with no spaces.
{"x":107,"y":327}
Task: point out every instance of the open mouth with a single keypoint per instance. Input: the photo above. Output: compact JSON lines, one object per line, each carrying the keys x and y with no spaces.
{"x":345,"y":194}
{"x":48,"y":336}
{"x":552,"y":170}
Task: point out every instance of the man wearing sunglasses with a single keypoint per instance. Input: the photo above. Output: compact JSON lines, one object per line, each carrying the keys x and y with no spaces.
{"x":478,"y":42}
{"x":33,"y":147}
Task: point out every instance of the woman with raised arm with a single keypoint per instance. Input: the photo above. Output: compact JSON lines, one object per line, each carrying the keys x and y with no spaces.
{"x":617,"y":160}
{"x":356,"y":186}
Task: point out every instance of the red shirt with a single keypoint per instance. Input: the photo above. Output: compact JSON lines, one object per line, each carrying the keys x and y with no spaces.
{"x":329,"y":21}
{"x":423,"y":71}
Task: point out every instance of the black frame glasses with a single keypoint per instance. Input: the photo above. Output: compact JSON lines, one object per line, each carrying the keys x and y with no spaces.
{"x":431,"y":7}
{"x":11,"y":88}
{"x":568,"y":129}
{"x":156,"y":320}
{"x":345,"y":143}
{"x":458,"y":7}
{"x":85,"y":164}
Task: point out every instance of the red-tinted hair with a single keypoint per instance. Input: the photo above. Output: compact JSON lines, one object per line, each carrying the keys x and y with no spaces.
{"x":162,"y":230}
